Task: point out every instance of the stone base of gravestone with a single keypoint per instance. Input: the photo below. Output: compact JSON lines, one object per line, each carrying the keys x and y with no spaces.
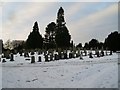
{"x":90,"y":55}
{"x":56,"y":57}
{"x":39,"y":59}
{"x":3,"y":61}
{"x":12,"y":57}
{"x":32,"y":59}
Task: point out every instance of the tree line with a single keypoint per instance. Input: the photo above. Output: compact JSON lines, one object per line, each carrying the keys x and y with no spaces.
{"x":57,"y":36}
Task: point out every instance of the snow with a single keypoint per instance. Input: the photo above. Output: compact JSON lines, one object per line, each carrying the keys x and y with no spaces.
{"x":69,"y":73}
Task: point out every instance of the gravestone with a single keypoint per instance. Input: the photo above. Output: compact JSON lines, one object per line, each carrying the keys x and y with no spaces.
{"x":32,"y":53}
{"x":102,"y":53}
{"x":56,"y":57}
{"x":39,"y":58}
{"x":3,"y":61}
{"x":51,"y":57}
{"x":65,"y":56}
{"x":106,"y":53}
{"x":12,"y":57}
{"x":90,"y":55}
{"x":110,"y":52}
{"x":20,"y":53}
{"x":81,"y":57}
{"x":32,"y":59}
{"x":46,"y":58}
{"x":70,"y":55}
{"x":85,"y":52}
{"x":97,"y":53}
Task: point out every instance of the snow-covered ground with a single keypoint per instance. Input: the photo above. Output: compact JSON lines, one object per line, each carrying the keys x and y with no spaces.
{"x":70,"y":73}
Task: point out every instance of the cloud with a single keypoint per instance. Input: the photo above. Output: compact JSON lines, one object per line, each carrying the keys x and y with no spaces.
{"x":19,"y":19}
{"x":101,"y":22}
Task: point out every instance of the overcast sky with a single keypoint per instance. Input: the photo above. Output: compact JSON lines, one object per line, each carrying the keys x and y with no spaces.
{"x":84,"y":20}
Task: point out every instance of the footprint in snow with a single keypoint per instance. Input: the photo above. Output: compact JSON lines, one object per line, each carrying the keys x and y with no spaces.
{"x":44,"y":71}
{"x":27,"y":80}
{"x":62,"y":75}
{"x":34,"y":79}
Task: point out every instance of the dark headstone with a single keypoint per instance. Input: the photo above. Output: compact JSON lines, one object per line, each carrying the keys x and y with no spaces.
{"x":39,"y":59}
{"x":46,"y":58}
{"x":32,"y":53}
{"x":102,"y":53}
{"x":110,"y":52}
{"x":81,"y":57}
{"x":32,"y":59}
{"x":65,"y":56}
{"x":85,"y":52}
{"x":51,"y":57}
{"x":90,"y":55}
{"x":56,"y":57}
{"x":3,"y":61}
{"x":70,"y":55}
{"x":12,"y":57}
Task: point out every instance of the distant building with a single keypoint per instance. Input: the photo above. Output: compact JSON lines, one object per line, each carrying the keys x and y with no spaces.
{"x":16,"y":43}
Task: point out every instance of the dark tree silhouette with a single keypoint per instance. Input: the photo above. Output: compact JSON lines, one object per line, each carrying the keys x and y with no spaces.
{"x":34,"y":40}
{"x":62,"y":36}
{"x":93,"y":44}
{"x":50,"y":36}
{"x":112,"y":42}
{"x":86,"y":46}
{"x":79,"y":45}
{"x":100,"y":45}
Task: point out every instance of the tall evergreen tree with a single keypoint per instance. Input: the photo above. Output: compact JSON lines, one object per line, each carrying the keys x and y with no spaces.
{"x":50,"y":36}
{"x":34,"y":40}
{"x":62,"y":36}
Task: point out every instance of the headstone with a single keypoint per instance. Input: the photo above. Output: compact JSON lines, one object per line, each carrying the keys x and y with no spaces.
{"x":46,"y":58}
{"x":102,"y":53}
{"x":20,"y":53}
{"x":32,"y":53}
{"x":32,"y":59}
{"x":3,"y":61}
{"x":65,"y":56}
{"x":106,"y":53}
{"x":12,"y":57}
{"x":70,"y":55}
{"x":85,"y":52}
{"x":56,"y":57}
{"x":110,"y":52}
{"x":81,"y":57}
{"x":39,"y":59}
{"x":90,"y":55}
{"x":97,"y":53}
{"x":51,"y":57}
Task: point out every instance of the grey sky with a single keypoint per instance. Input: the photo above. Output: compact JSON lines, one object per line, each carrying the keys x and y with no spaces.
{"x":85,"y":20}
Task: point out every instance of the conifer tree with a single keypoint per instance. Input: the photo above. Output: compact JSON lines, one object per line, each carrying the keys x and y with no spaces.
{"x":34,"y":40}
{"x":62,"y":36}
